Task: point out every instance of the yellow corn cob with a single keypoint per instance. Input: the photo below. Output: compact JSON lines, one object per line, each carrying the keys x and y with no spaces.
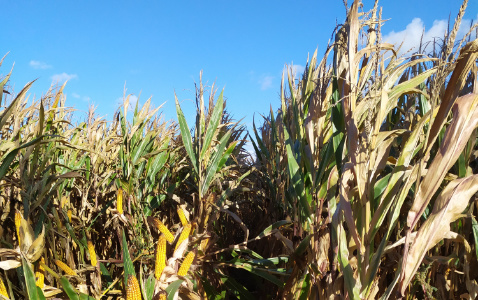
{"x":182,"y":217}
{"x":160,"y":257}
{"x":132,"y":289}
{"x":91,"y":250}
{"x":18,"y":221}
{"x":69,"y":213}
{"x":119,"y":201}
{"x":3,"y":290}
{"x":183,"y":270}
{"x":40,"y":274}
{"x":162,"y":297}
{"x":184,"y":235}
{"x":163,"y":229}
{"x":65,"y":268}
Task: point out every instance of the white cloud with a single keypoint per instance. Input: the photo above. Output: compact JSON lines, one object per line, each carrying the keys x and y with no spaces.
{"x":35,"y":64}
{"x":82,"y":98}
{"x":412,"y":34}
{"x":266,"y":82}
{"x":58,"y":78}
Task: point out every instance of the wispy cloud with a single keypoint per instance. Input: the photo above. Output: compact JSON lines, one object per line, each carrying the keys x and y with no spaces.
{"x":35,"y":64}
{"x":412,"y":34}
{"x":266,"y":82}
{"x":78,"y":96}
{"x":63,"y":77}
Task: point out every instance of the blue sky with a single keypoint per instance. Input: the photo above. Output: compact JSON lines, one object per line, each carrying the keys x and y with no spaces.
{"x":157,"y":48}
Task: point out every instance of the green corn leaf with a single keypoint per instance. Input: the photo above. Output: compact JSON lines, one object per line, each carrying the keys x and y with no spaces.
{"x":30,"y":281}
{"x":297,"y":180}
{"x":214,"y":162}
{"x":213,"y":124}
{"x":304,"y":286}
{"x":238,"y":290}
{"x":127,"y":262}
{"x":173,"y":288}
{"x":226,"y":155}
{"x":186,"y":135}
{"x":269,"y":230}
{"x":262,"y":147}
{"x":475,"y":233}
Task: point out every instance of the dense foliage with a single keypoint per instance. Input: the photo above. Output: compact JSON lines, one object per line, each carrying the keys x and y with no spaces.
{"x":362,"y":185}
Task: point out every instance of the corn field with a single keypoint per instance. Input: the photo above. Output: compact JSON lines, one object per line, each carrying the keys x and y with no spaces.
{"x":362,"y":185}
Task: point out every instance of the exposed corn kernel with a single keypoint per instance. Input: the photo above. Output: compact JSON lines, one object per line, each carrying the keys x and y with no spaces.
{"x":132,"y":289}
{"x":119,"y":201}
{"x":91,"y":250}
{"x":183,"y":270}
{"x":160,"y":257}
{"x":40,"y":274}
{"x":69,"y":213}
{"x":65,"y":268}
{"x":3,"y":290}
{"x":162,"y":228}
{"x":182,"y":216}
{"x":184,"y":235}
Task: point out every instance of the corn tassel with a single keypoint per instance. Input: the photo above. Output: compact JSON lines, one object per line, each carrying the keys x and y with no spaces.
{"x":65,"y":268}
{"x":91,"y":250}
{"x":18,"y":221}
{"x":40,"y":274}
{"x":182,"y":217}
{"x":132,"y":289}
{"x":160,"y":257}
{"x":3,"y":290}
{"x":184,"y":235}
{"x":119,"y":201}
{"x":162,"y":228}
{"x":183,"y":270}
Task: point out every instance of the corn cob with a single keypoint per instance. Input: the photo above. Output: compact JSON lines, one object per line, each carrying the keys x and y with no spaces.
{"x":65,"y":268}
{"x":182,"y":217}
{"x":3,"y":290}
{"x":18,"y":221}
{"x":69,"y":213}
{"x":119,"y":201}
{"x":162,"y":297}
{"x":163,"y":229}
{"x":160,"y":257}
{"x":132,"y":289}
{"x":183,"y":270}
{"x":40,"y":274}
{"x":184,"y":235}
{"x":91,"y":250}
